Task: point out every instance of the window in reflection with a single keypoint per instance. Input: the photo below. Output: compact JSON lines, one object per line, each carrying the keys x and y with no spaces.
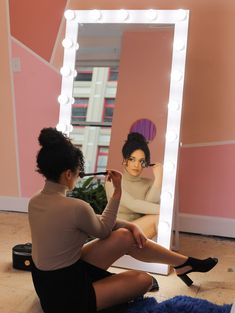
{"x":102,"y":157}
{"x":84,"y":74}
{"x":108,"y":110}
{"x":79,"y":110}
{"x":113,"y":74}
{"x":94,"y":91}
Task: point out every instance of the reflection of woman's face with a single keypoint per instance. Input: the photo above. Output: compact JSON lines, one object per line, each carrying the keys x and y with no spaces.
{"x":134,"y":164}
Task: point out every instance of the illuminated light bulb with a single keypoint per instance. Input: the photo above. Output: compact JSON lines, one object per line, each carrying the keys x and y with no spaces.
{"x":152,"y":14}
{"x":69,"y":15}
{"x":63,"y":99}
{"x":72,"y":101}
{"x":173,"y":106}
{"x":96,"y":15}
{"x":176,"y":75}
{"x":61,"y":127}
{"x":169,"y":166}
{"x":67,"y":43}
{"x":179,"y":46}
{"x":123,"y":14}
{"x":65,"y":71}
{"x":163,"y":227}
{"x":181,"y":14}
{"x":167,"y":196}
{"x":68,"y":128}
{"x":171,"y":136}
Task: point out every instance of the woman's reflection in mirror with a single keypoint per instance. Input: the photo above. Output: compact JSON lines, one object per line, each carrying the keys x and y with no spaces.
{"x":140,"y":195}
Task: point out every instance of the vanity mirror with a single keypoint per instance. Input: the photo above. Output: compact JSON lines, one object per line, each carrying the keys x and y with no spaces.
{"x":93,"y":40}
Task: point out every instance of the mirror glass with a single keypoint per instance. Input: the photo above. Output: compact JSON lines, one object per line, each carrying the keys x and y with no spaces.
{"x":98,"y":49}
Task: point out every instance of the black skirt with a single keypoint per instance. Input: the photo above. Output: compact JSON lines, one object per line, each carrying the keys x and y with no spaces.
{"x":70,"y":289}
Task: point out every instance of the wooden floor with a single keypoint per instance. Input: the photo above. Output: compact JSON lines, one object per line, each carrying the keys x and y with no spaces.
{"x":218,"y":286}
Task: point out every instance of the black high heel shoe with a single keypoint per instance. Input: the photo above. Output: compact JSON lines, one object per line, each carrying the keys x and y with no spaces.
{"x":155,"y":286}
{"x":196,"y":266}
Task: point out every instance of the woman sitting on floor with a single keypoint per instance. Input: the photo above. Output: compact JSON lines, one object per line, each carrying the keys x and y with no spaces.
{"x":69,"y":273}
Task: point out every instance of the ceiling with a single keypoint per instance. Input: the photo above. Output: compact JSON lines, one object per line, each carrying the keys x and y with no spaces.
{"x":100,"y":44}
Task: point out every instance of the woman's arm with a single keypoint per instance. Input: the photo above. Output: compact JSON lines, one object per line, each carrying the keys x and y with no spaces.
{"x":101,"y":225}
{"x":87,"y":221}
{"x":132,"y":204}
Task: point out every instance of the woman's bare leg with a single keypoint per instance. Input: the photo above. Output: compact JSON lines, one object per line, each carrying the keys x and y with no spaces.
{"x":154,"y":253}
{"x":103,"y":253}
{"x":121,"y":288}
{"x":118,"y":288}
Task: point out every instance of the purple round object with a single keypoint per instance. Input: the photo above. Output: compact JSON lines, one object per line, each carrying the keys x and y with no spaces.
{"x":145,"y":127}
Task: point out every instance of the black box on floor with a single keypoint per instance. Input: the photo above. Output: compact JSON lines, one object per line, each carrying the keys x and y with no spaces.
{"x":22,"y":256}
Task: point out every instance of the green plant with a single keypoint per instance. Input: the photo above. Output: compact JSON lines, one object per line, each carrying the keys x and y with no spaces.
{"x":92,"y":191}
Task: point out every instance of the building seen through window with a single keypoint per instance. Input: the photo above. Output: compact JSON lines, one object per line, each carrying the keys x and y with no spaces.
{"x":79,"y":110}
{"x":113,"y":74}
{"x":108,"y":109}
{"x":84,"y":74}
{"x":94,"y":92}
{"x":102,"y":158}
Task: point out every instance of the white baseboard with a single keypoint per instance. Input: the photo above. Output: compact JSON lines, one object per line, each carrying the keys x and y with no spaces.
{"x":207,"y":225}
{"x":15,"y":204}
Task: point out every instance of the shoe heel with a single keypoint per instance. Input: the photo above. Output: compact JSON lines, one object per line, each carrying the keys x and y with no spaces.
{"x":155,"y":286}
{"x":188,"y":281}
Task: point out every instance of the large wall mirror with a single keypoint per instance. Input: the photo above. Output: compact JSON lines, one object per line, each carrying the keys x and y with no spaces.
{"x":93,"y":89}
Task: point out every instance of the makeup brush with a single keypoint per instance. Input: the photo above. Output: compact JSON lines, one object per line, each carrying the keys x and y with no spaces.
{"x":82,"y":174}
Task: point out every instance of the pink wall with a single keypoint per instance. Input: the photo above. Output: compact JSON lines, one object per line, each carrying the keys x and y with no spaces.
{"x":207,"y":180}
{"x":209,"y":94}
{"x":29,"y":94}
{"x":36,"y":92}
{"x":8,"y":158}
{"x":36,"y":24}
{"x":209,"y":108}
{"x":143,"y":89}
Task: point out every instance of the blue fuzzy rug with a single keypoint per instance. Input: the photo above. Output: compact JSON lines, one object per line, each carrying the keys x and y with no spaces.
{"x":178,"y":304}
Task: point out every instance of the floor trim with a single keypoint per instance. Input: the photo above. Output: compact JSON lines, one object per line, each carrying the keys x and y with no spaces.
{"x":207,"y":225}
{"x":15,"y":204}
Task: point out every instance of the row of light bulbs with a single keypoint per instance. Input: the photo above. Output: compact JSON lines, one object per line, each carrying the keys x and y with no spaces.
{"x":125,"y":15}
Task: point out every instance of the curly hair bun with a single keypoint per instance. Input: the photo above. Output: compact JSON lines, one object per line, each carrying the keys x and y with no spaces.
{"x":136,"y":137}
{"x":50,"y":137}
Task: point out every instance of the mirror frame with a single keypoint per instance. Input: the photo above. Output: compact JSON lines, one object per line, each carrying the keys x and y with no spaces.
{"x":179,"y":19}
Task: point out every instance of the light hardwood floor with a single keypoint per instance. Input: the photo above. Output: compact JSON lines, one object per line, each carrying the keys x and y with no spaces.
{"x":218,"y":286}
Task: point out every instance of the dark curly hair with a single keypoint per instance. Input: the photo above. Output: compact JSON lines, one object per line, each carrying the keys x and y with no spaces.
{"x":57,"y":154}
{"x":136,"y":141}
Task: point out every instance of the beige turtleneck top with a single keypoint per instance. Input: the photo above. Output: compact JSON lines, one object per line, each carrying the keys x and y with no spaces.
{"x":139,"y":197}
{"x":60,"y":226}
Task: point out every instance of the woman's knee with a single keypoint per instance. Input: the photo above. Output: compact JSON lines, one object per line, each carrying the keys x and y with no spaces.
{"x":143,"y":279}
{"x":123,"y":235}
